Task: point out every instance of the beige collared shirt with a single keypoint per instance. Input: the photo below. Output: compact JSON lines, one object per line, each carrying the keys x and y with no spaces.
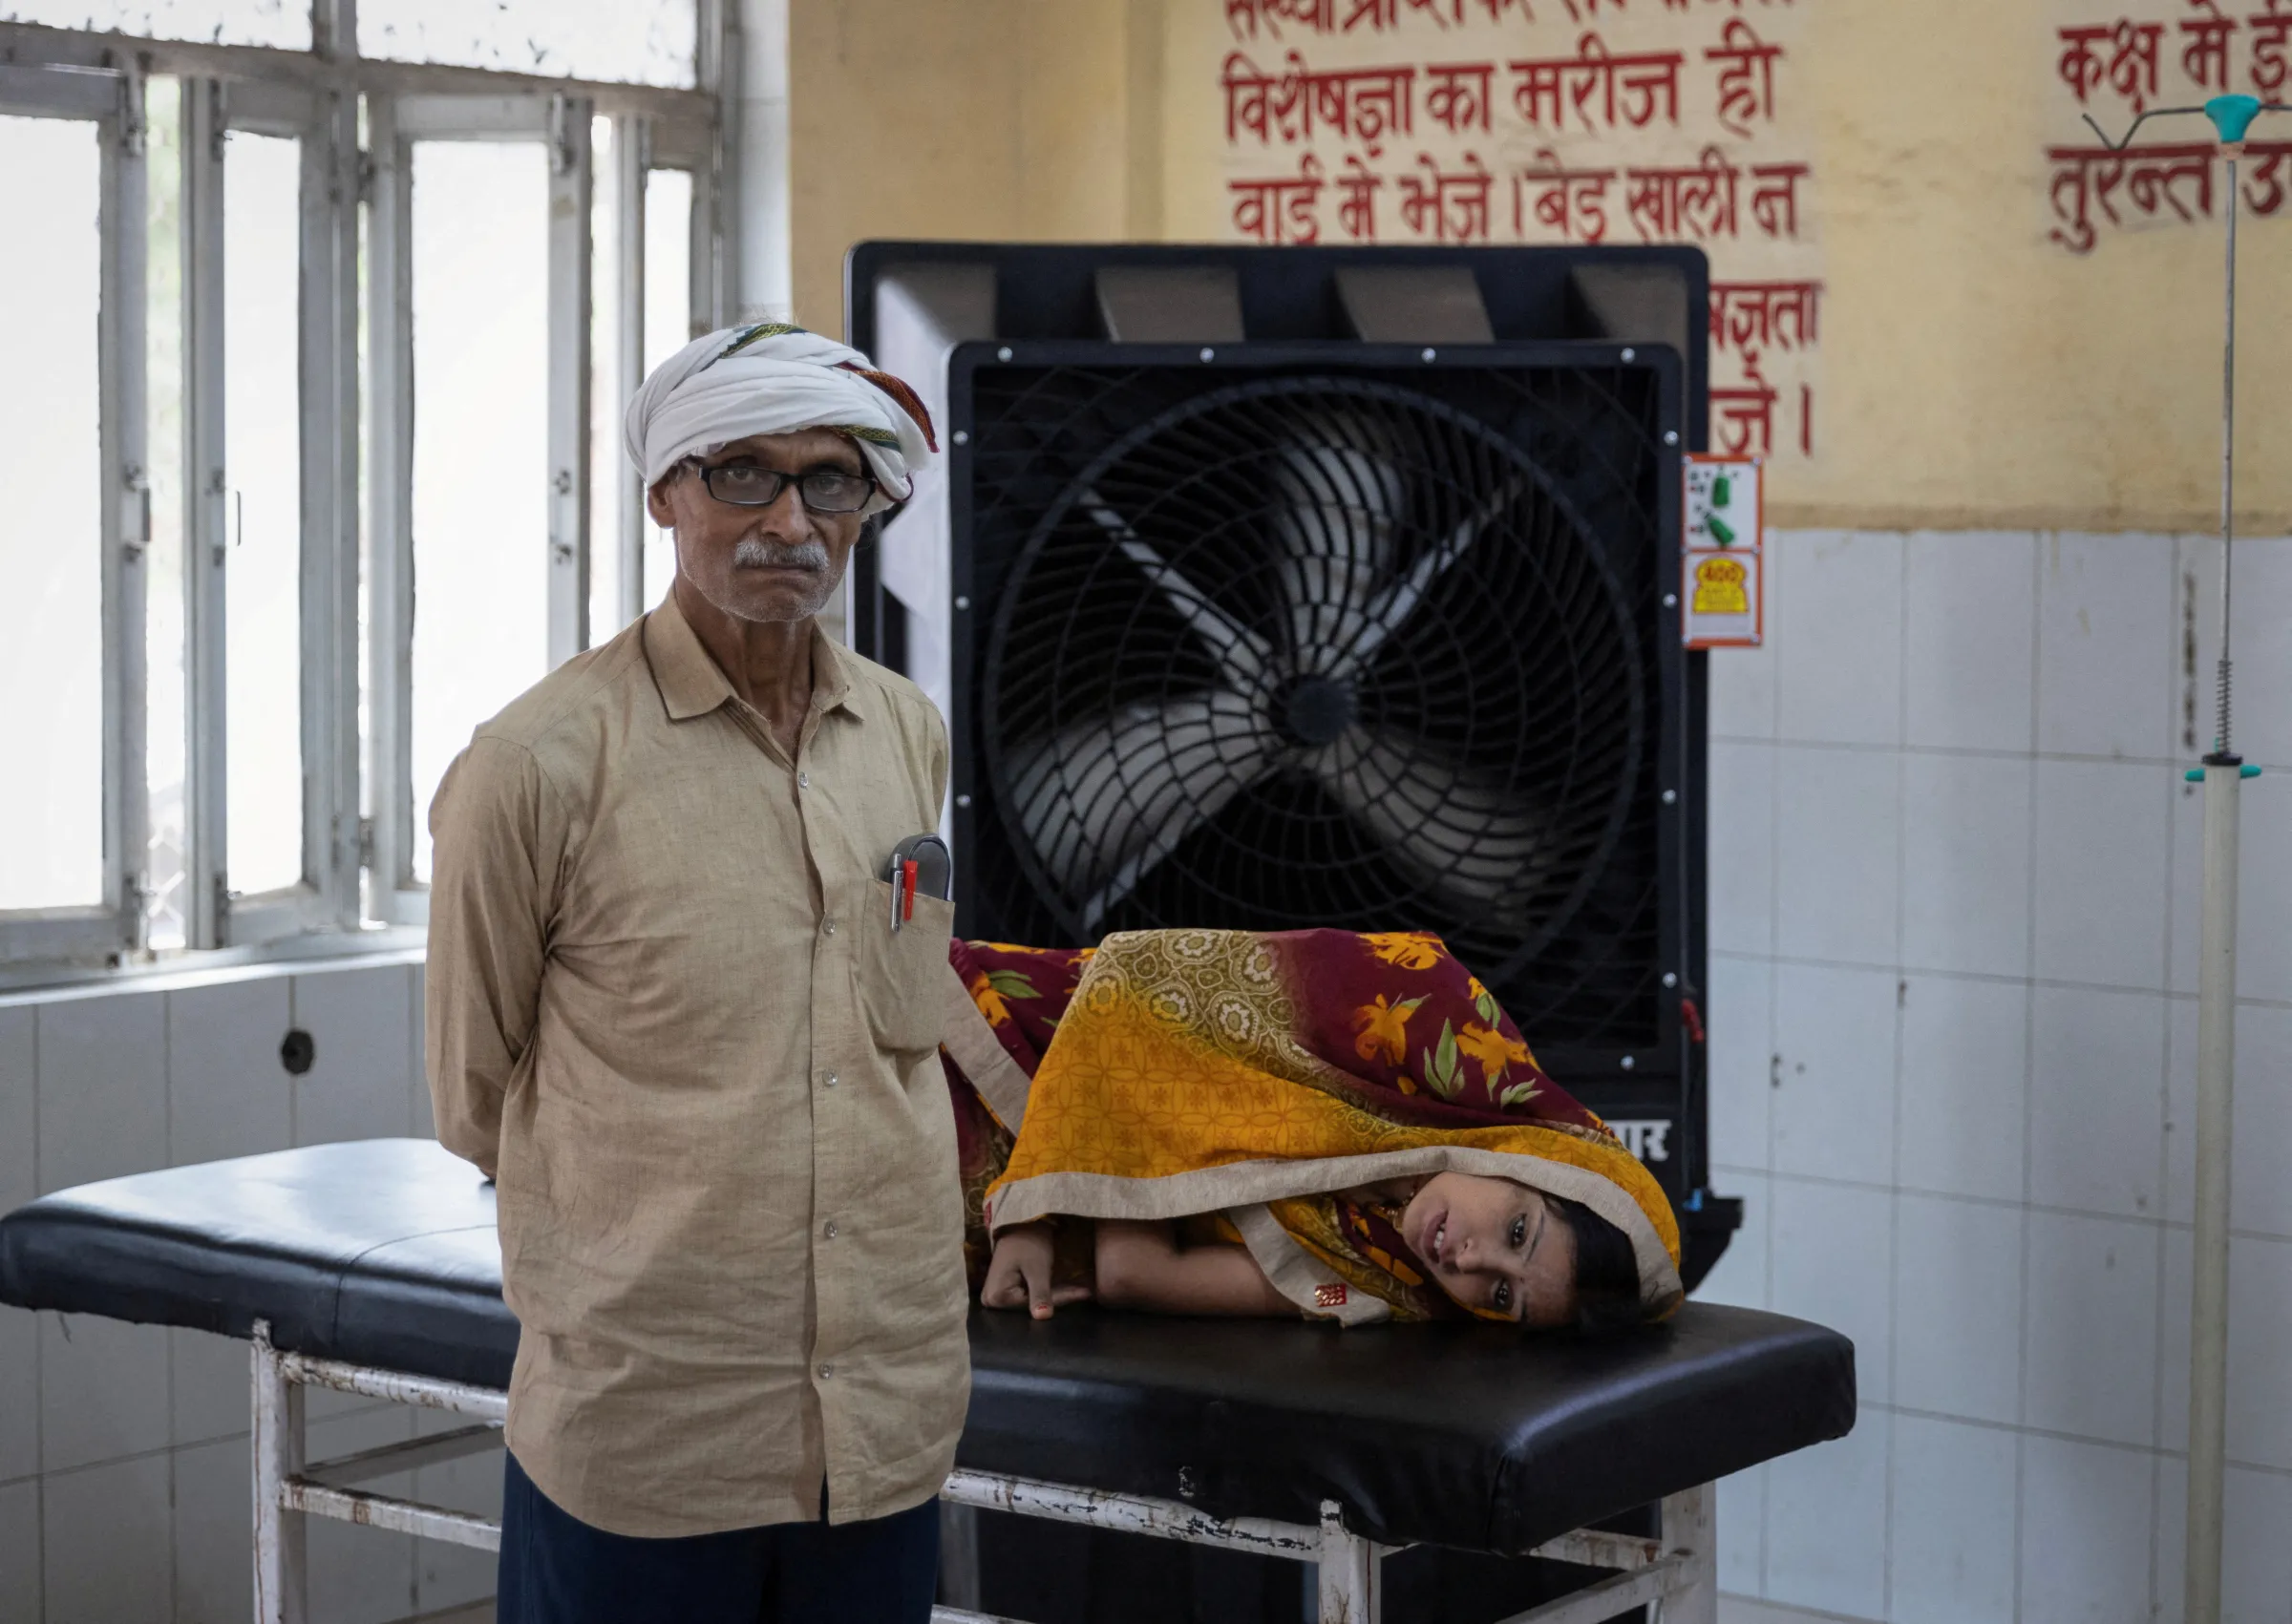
{"x":668,"y":1011}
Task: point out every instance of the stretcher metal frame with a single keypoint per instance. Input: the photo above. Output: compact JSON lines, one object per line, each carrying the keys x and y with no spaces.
{"x":1677,"y":1571}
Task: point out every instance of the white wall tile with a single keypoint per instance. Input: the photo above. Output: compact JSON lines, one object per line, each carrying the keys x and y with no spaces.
{"x":2101,"y":834}
{"x":2255,"y":1543}
{"x":19,"y":1393}
{"x":1740,"y":884}
{"x":1826,"y":1522}
{"x":1952,"y":1523}
{"x":2263,"y":647}
{"x":20,"y":1553}
{"x":1969,"y":623}
{"x":2259,"y":1331}
{"x":1964,"y":1075}
{"x":2264,"y":883}
{"x":214,"y":1534}
{"x":1742,"y":693}
{"x":1742,"y":1513}
{"x":1838,"y":830}
{"x":2097,"y":1100}
{"x":361,"y":1576}
{"x":1966,"y":863}
{"x":1956,"y":1263}
{"x":103,"y":1087}
{"x":227,"y":1094}
{"x":2107,"y":645}
{"x":1738,"y":1016}
{"x":1832,"y":1251}
{"x":1739,"y":1278}
{"x":2086,"y":1514}
{"x":357,"y":1086}
{"x":1838,"y":634}
{"x":1833,"y":1114}
{"x":103,"y":1389}
{"x":2089,"y":1311}
{"x":19,"y":1084}
{"x":106,"y":1544}
{"x":2259,"y":1195}
{"x":211,"y":1384}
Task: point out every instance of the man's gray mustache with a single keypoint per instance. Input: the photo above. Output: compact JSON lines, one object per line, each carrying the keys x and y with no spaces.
{"x":751,"y":554}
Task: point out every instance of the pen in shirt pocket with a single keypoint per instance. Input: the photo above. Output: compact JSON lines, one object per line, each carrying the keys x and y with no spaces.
{"x":919,"y":863}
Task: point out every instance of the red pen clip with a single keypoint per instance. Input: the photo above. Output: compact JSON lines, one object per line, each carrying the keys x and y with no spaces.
{"x":907,"y":873}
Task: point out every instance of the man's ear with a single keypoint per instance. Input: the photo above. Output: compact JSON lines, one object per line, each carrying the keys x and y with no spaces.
{"x":656,"y":501}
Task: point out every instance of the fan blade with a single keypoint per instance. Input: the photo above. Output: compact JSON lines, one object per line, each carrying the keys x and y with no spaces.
{"x":1240,"y":652}
{"x":1103,"y":802}
{"x":1339,"y":495}
{"x":1398,"y":601}
{"x":1487,"y":848}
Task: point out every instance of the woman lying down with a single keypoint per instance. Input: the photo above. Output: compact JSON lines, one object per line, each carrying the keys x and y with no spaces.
{"x":1314,"y":1123}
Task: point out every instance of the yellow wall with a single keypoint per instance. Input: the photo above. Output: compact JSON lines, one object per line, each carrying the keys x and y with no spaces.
{"x":1973,"y":372}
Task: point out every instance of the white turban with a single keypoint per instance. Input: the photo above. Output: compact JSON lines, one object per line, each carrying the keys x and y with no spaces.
{"x":774,"y":379}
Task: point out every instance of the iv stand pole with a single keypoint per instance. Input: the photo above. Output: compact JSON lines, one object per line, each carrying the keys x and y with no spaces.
{"x":2223,"y":773}
{"x":2215,"y":1039}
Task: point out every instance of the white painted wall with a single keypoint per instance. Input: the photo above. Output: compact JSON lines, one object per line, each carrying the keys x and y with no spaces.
{"x":1953,"y":913}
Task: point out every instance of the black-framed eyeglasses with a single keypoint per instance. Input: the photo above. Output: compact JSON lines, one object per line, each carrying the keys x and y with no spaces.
{"x":823,"y":489}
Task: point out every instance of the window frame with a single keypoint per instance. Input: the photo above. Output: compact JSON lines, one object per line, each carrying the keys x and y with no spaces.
{"x":357,"y":428}
{"x":109,"y":97}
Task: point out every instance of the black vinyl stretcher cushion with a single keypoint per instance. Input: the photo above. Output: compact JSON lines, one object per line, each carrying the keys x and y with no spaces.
{"x":383,"y":1253}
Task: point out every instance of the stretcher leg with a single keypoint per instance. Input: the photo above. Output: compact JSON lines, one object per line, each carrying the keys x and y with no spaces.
{"x":1691,"y":1535}
{"x":1351,"y":1568}
{"x":281,"y":1582}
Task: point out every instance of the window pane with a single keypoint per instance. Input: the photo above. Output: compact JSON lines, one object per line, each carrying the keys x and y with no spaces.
{"x":263,"y":458}
{"x":282,"y":23}
{"x":667,"y":321}
{"x":606,"y":391}
{"x":647,"y":42}
{"x":163,"y":560}
{"x":480,"y":445}
{"x":51,"y":523}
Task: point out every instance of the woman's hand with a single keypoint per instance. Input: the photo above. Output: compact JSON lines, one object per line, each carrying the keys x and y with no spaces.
{"x":1019,"y":1275}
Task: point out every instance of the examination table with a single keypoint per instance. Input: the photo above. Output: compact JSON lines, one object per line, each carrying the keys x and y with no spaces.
{"x":372,"y":1268}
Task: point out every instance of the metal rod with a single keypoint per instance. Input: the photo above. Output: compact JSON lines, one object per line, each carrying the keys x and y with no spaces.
{"x":2228,"y":460}
{"x":2208,"y":1295}
{"x":281,"y":1570}
{"x":422,"y":1391}
{"x":398,"y":1516}
{"x":1351,"y":1572}
{"x":2216,"y":1041}
{"x":1131,"y":1514}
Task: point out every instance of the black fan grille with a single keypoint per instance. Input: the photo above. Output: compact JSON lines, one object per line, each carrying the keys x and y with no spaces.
{"x":1316,"y":749}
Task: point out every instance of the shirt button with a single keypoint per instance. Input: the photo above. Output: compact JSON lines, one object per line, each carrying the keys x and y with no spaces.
{"x":829,"y":928}
{"x":803,"y":781}
{"x":826,"y":1371}
{"x":830,"y":1230}
{"x":831,"y":1080}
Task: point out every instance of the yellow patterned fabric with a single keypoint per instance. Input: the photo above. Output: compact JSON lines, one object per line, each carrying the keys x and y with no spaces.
{"x":1211,"y":1070}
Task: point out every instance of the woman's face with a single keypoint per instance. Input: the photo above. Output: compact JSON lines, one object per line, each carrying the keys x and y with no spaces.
{"x":1494,"y":1245}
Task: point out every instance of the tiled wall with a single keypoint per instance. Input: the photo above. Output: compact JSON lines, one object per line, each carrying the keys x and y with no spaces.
{"x":124,"y":1494}
{"x":1953,"y":915}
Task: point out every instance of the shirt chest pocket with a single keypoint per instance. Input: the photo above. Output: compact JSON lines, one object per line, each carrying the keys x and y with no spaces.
{"x":901,"y":973}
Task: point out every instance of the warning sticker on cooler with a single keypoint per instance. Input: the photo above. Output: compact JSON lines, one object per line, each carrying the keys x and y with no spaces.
{"x":1723,"y":596}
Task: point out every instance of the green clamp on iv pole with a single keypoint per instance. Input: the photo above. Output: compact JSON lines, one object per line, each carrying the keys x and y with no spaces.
{"x":2223,"y":773}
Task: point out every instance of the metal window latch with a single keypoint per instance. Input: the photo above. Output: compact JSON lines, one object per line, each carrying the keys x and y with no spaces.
{"x":365,"y":842}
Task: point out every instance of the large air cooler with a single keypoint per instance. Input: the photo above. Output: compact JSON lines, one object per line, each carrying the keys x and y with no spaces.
{"x":1277,"y":588}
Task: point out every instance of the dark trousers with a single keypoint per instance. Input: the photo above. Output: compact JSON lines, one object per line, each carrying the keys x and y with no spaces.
{"x":558,"y":1570}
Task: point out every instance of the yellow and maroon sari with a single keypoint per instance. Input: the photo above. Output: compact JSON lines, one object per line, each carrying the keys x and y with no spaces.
{"x":1253,"y":1080}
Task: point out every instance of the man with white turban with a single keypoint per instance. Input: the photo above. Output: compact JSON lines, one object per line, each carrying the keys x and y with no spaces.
{"x":678,"y":1014}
